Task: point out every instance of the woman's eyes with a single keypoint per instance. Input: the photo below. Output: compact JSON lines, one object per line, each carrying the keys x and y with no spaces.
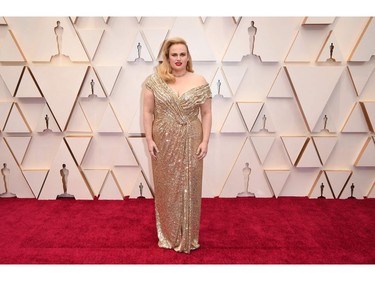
{"x":182,"y":55}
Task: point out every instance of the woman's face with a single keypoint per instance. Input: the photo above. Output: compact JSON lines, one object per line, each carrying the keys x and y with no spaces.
{"x":178,"y":57}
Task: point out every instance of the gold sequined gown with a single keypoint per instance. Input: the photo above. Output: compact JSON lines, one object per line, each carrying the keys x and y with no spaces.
{"x":177,"y":132}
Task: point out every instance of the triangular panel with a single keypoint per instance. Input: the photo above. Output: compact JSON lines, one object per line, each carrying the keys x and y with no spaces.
{"x":47,"y":121}
{"x":309,"y":157}
{"x":140,"y":188}
{"x":124,"y":154}
{"x":220,"y":109}
{"x":324,"y":146}
{"x":41,"y":144}
{"x":136,"y":126}
{"x":11,"y":76}
{"x":53,"y":185}
{"x":109,"y":122}
{"x":60,"y":95}
{"x":321,"y":187}
{"x":257,"y":80}
{"x":264,"y":123}
{"x":234,"y":122}
{"x":47,"y":30}
{"x":91,"y":86}
{"x":250,"y":112}
{"x":32,"y":109}
{"x":16,"y":123}
{"x":139,"y":148}
{"x":27,"y":87}
{"x":94,"y":109}
{"x":365,"y":48}
{"x":358,"y":185}
{"x":110,"y":190}
{"x":127,"y":178}
{"x":191,"y":29}
{"x":234,"y":75}
{"x":371,"y":193}
{"x":91,"y":39}
{"x":17,"y":183}
{"x":257,"y":182}
{"x":293,"y":147}
{"x":326,"y":124}
{"x":313,"y":88}
{"x":5,"y":108}
{"x":262,"y":146}
{"x":18,"y":146}
{"x":360,"y":75}
{"x":106,"y":151}
{"x":338,"y":180}
{"x":78,"y":146}
{"x":356,"y":122}
{"x":307,"y":44}
{"x":78,"y":121}
{"x":366,"y":157}
{"x":219,"y":86}
{"x":331,"y":50}
{"x":126,"y":103}
{"x":155,"y":38}
{"x":281,"y":87}
{"x":35,"y":179}
{"x":369,"y":111}
{"x":223,"y":152}
{"x":242,"y":41}
{"x":139,"y":51}
{"x":108,"y":76}
{"x":277,"y":180}
{"x":96,"y":179}
{"x":9,"y":51}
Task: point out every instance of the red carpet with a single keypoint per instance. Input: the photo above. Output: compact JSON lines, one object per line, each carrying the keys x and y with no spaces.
{"x":233,"y":231}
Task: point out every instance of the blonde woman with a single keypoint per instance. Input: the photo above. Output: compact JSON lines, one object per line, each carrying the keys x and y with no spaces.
{"x":177,"y":122}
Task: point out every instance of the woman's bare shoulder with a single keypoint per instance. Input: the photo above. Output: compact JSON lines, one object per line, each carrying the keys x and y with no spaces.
{"x":199,"y":79}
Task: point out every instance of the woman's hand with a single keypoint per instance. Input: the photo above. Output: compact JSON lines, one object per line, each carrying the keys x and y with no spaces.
{"x":202,"y":150}
{"x":152,"y":149}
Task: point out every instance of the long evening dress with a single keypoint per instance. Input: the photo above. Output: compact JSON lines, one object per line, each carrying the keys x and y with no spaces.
{"x":177,"y":174}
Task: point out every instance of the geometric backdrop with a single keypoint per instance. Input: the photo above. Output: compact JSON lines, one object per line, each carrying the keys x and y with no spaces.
{"x":295,"y":100}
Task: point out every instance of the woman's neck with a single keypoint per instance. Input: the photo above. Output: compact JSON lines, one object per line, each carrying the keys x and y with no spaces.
{"x":180,"y":74}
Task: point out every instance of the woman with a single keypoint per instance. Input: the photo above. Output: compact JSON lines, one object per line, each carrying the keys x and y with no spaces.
{"x":177,"y":141}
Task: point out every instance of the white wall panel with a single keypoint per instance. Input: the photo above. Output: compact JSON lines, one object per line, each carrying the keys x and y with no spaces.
{"x":285,"y":78}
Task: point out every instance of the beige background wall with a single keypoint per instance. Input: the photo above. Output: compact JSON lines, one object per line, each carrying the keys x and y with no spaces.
{"x":288,"y":80}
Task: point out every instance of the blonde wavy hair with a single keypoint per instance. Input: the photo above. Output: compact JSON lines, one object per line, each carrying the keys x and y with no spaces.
{"x":164,"y":69}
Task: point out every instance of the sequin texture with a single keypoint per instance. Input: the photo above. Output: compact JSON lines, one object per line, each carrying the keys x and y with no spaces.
{"x":177,"y":173}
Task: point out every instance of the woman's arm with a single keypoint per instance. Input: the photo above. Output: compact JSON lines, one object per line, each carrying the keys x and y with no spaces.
{"x":206,"y":116}
{"x":148,"y":119}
